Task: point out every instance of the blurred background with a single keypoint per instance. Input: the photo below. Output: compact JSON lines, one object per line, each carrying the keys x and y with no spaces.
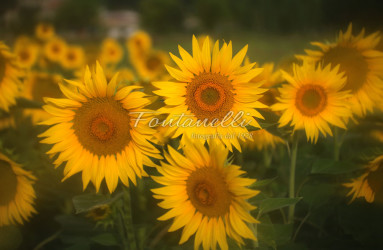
{"x":273,"y":29}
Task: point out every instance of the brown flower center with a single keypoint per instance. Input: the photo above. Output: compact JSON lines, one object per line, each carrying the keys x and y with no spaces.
{"x":208,"y":191}
{"x":71,"y":56}
{"x":102,"y":126}
{"x":352,"y":62}
{"x":311,"y":99}
{"x":210,"y":96}
{"x":24,"y":55}
{"x":56,"y":49}
{"x":8,"y":183}
{"x":153,"y":63}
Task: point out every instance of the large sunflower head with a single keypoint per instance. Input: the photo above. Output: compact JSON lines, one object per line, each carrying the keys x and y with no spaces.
{"x":44,"y":31}
{"x":212,"y":87}
{"x":362,"y":64}
{"x":111,"y":51}
{"x":94,"y":130}
{"x":205,"y":195}
{"x":73,"y":58}
{"x":312,"y":100}
{"x":10,"y":73}
{"x":16,"y":193}
{"x":369,"y":185}
{"x":55,"y":49}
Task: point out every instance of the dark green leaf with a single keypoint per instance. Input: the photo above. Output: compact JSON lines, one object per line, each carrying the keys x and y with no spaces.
{"x":106,"y":239}
{"x":262,"y":183}
{"x":86,"y":202}
{"x":329,"y":166}
{"x":271,"y":204}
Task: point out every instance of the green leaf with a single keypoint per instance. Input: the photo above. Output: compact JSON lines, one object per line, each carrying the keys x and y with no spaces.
{"x":329,"y":166}
{"x":105,"y":239}
{"x":262,"y":183}
{"x":271,"y":204}
{"x":86,"y":202}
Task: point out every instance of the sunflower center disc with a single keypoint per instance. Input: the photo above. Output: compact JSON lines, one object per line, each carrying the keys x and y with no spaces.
{"x":311,"y":99}
{"x":8,"y":183}
{"x":210,"y":96}
{"x":208,"y":192}
{"x":351,"y":62}
{"x":56,"y":49}
{"x":153,"y":63}
{"x":45,"y":87}
{"x":71,"y":56}
{"x":102,"y":126}
{"x":24,"y":55}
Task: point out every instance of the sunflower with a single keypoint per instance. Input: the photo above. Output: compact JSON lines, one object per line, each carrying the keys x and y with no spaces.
{"x":10,"y":72}
{"x":369,"y":185}
{"x":211,"y":88}
{"x":44,"y":31}
{"x":263,"y":139}
{"x":94,"y":130}
{"x":138,"y":45}
{"x":55,"y":49}
{"x":26,"y":52}
{"x":16,"y":193}
{"x":206,"y":196}
{"x":270,"y":79}
{"x":313,"y":99}
{"x":111,"y":51}
{"x":38,"y":85}
{"x":152,"y":65}
{"x":73,"y":58}
{"x":361,"y":63}
{"x":99,"y":213}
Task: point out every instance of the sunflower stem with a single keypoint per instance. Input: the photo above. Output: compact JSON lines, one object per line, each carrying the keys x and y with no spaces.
{"x":338,"y":141}
{"x":126,"y":213}
{"x":293,"y":162}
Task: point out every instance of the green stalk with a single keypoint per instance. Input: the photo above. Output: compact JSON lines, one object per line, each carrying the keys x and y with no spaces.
{"x":126,"y":213}
{"x":293,"y":164}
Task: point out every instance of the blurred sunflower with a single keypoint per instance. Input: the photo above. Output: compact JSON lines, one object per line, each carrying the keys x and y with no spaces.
{"x":99,"y":213}
{"x":361,"y":63}
{"x":44,"y":31}
{"x":139,"y":44}
{"x":111,"y":51}
{"x":95,"y":132}
{"x":206,"y":196}
{"x":208,"y":88}
{"x":55,"y":49}
{"x":152,"y":65}
{"x":369,"y":185}
{"x":313,"y":99}
{"x":16,"y":193}
{"x":26,"y":52}
{"x":38,"y":85}
{"x":10,"y":72}
{"x":74,"y":57}
{"x":263,"y":139}
{"x":125,"y":75}
{"x":270,"y":78}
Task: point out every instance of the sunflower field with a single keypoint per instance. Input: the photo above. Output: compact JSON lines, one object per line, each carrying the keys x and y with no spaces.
{"x":174,"y":125}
